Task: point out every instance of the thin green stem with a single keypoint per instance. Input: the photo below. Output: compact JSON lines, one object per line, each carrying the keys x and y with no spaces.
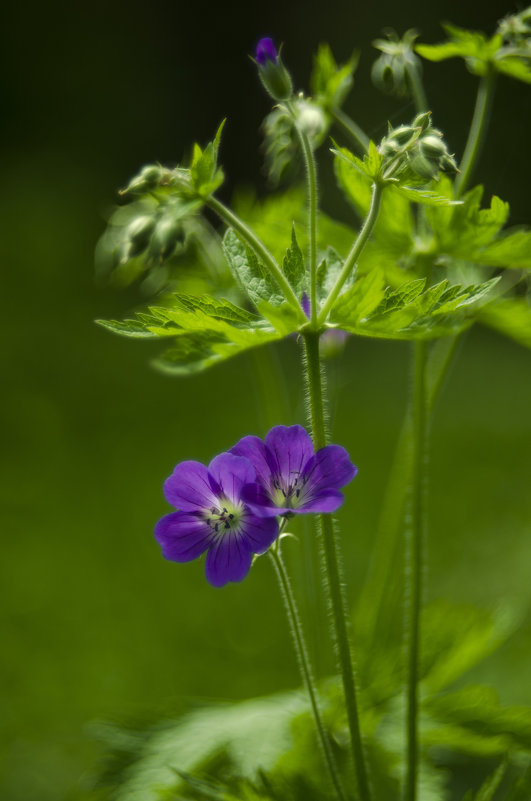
{"x":305,"y":667}
{"x":414,"y":566}
{"x":417,"y":88}
{"x":351,"y":128}
{"x":311,"y":173}
{"x":478,"y":129}
{"x":258,"y":247}
{"x":355,"y":251}
{"x":332,"y":571}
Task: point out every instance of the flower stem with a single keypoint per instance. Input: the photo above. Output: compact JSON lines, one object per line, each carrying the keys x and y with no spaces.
{"x":414,"y":564}
{"x":478,"y":128}
{"x":311,"y":173}
{"x":332,"y":570}
{"x":258,"y":247}
{"x":351,"y":128}
{"x":304,"y":665}
{"x":355,"y":251}
{"x":417,"y":88}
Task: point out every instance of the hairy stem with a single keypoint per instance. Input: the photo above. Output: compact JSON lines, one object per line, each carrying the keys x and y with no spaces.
{"x":304,"y":665}
{"x":332,"y":571}
{"x":351,"y":128}
{"x":311,"y":173}
{"x":355,"y":251}
{"x":417,"y":88}
{"x":414,"y":565}
{"x":258,"y":247}
{"x":478,"y":129}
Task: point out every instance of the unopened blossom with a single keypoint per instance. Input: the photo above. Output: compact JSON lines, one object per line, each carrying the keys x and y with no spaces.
{"x":213,"y":517}
{"x":290,"y":477}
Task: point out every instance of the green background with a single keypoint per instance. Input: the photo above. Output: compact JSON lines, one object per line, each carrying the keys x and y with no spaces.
{"x":95,"y":624}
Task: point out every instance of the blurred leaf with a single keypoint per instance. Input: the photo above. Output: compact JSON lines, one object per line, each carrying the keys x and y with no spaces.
{"x":510,"y":316}
{"x":330,"y":83}
{"x":252,"y":277}
{"x":458,"y":637}
{"x":426,"y":197}
{"x":475,"y":47}
{"x":293,"y":265}
{"x":512,"y":249}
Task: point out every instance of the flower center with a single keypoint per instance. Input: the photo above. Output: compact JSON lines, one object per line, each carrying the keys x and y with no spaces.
{"x":287,"y":494}
{"x":224,"y":518}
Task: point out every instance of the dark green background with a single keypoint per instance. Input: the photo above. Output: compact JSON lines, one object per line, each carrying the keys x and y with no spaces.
{"x":97,"y":625}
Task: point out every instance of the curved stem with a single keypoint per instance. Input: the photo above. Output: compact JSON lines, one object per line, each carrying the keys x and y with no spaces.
{"x":351,"y":128}
{"x":256,"y":245}
{"x":355,"y":251}
{"x":304,"y":665}
{"x":311,"y":173}
{"x":478,"y":128}
{"x":417,"y":88}
{"x":332,"y":570}
{"x":414,"y":565}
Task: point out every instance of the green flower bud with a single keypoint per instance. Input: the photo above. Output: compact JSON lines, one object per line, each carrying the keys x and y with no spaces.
{"x":403,"y":135}
{"x":424,"y":168}
{"x":138,"y":235}
{"x":422,"y":121}
{"x":391,"y":70}
{"x":273,"y":74}
{"x":432,"y":147}
{"x":147,"y":180}
{"x":167,"y":234}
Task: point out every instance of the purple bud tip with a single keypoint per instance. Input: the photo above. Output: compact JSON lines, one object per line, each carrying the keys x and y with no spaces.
{"x":266,"y":51}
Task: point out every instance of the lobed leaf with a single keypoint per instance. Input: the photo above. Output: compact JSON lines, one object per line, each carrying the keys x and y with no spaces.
{"x":251,"y":276}
{"x":293,"y":265}
{"x":330,"y":83}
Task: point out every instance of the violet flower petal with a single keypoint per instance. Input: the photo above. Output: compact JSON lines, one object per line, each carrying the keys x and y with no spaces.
{"x":322,"y":502}
{"x":292,"y":448}
{"x":266,"y":51}
{"x":260,"y":502}
{"x":253,"y":449}
{"x":231,"y":473}
{"x":259,"y":532}
{"x":183,"y":536}
{"x":189,"y":489}
{"x":228,"y":559}
{"x":330,"y":468}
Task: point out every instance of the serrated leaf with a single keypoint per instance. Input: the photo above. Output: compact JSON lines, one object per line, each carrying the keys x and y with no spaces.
{"x":205,"y":175}
{"x":328,"y":273}
{"x":406,"y":313}
{"x":329,"y":82}
{"x":293,"y":265}
{"x":251,"y":276}
{"x":426,"y":197}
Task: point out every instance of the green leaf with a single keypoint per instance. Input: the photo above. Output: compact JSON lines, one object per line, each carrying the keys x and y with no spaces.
{"x":406,"y":312}
{"x":510,"y":316}
{"x":369,"y":166}
{"x":511,"y":250}
{"x":514,"y":67}
{"x":426,"y":196}
{"x":330,"y":83}
{"x":205,"y":175}
{"x":328,"y":273}
{"x":251,"y":276}
{"x":456,"y":638}
{"x":477,"y":50}
{"x":204,"y":330}
{"x":293,"y":265}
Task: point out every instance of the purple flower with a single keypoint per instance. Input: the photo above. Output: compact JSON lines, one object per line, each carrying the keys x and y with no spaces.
{"x":291,"y":478}
{"x":213,"y":517}
{"x":266,"y":51}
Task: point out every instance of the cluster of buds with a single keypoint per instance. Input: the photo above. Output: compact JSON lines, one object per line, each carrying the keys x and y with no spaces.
{"x":516,"y":30}
{"x":391,"y":71}
{"x":415,"y":152}
{"x":156,"y":236}
{"x":281,"y":142}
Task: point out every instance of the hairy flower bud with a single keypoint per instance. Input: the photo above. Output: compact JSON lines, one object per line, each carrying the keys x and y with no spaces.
{"x":165,"y":238}
{"x":391,"y":70}
{"x":432,"y":147}
{"x":273,"y":74}
{"x":416,"y":151}
{"x":138,"y":235}
{"x":147,"y":180}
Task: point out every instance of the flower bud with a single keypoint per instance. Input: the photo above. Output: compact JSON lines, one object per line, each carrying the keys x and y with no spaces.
{"x":167,"y":234}
{"x":138,"y":235}
{"x":422,"y":121}
{"x":147,"y":180}
{"x":273,"y":74}
{"x":432,"y":147}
